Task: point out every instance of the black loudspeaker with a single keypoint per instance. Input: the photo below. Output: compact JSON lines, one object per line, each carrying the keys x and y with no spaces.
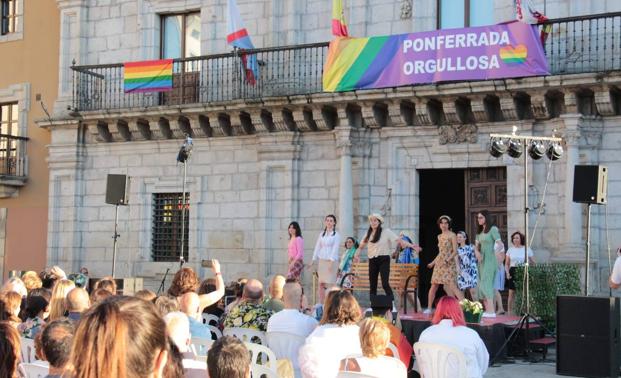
{"x":587,"y":336}
{"x":590,"y":184}
{"x":117,"y":189}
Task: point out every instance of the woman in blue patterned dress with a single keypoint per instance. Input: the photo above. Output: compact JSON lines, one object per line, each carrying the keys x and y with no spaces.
{"x":468,"y":271}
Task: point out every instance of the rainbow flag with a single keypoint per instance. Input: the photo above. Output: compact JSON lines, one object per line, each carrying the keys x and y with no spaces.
{"x":148,"y":76}
{"x":339,"y":27}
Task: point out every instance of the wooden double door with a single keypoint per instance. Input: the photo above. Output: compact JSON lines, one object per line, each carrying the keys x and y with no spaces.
{"x":486,"y":189}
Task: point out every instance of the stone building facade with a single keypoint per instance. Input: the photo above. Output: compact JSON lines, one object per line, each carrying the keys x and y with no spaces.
{"x":257,"y":165}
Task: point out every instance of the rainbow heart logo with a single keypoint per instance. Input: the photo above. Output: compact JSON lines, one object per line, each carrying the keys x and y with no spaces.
{"x":514,"y":55}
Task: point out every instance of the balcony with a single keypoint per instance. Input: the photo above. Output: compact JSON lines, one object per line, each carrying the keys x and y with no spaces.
{"x":13,"y":164}
{"x":586,"y":44}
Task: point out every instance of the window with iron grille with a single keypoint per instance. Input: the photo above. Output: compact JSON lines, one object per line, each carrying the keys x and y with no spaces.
{"x":166,"y":230}
{"x":8,"y":16}
{"x":10,"y":141}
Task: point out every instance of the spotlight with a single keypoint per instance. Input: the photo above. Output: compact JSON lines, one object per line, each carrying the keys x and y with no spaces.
{"x":497,"y":148}
{"x":515,"y":148}
{"x":555,"y":151}
{"x":536,"y":150}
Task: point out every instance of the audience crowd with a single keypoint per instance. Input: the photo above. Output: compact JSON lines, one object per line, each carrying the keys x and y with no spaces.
{"x":103,"y":334}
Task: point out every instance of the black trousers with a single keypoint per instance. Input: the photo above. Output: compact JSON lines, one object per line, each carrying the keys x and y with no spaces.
{"x":379,"y":265}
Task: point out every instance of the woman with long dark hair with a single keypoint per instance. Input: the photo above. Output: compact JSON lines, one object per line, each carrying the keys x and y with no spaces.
{"x":381,"y":243}
{"x":295,"y":250}
{"x":487,"y":238}
{"x":445,"y":264}
{"x":326,"y":254}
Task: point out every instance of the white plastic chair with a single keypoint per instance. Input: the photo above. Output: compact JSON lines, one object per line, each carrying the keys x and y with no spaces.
{"x":199,"y":347}
{"x":286,"y":345}
{"x":440,"y":361}
{"x":395,"y":351}
{"x":214,"y":331}
{"x":210,"y":319}
{"x":263,"y":361}
{"x":28,"y":350}
{"x":246,"y":334}
{"x":37,"y":370}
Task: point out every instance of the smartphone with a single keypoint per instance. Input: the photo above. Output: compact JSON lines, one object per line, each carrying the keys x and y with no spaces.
{"x":207,"y":263}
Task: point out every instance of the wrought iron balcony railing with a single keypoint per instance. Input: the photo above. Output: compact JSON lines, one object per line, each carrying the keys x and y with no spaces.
{"x":13,"y":161}
{"x":575,"y":45}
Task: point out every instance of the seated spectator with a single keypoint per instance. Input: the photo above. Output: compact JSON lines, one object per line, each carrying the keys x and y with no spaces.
{"x":178,"y":328}
{"x":209,"y":286}
{"x":145,"y":294}
{"x":31,"y":280}
{"x":275,"y":303}
{"x":174,"y":363}
{"x":56,"y":341}
{"x":15,"y":284}
{"x":249,"y":313}
{"x":120,"y":337}
{"x":228,"y":358}
{"x":450,"y":329}
{"x":166,"y":304}
{"x":37,"y":310}
{"x":186,"y":280}
{"x":10,"y":306}
{"x":382,"y":311}
{"x":374,"y":338}
{"x":77,"y":302}
{"x":238,"y":288}
{"x":98,"y":295}
{"x":189,"y":304}
{"x":58,"y":305}
{"x":10,"y":350}
{"x":291,"y":320}
{"x":334,"y":339}
{"x":50,"y":275}
{"x":107,"y":283}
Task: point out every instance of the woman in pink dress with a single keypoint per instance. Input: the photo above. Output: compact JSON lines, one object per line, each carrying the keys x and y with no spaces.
{"x":296,"y":251}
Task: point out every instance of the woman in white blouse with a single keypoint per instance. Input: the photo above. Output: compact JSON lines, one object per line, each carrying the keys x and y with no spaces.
{"x":450,"y":329}
{"x":327,"y":254}
{"x":515,"y":257}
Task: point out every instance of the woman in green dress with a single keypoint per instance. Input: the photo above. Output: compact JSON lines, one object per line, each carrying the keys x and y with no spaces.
{"x":487,"y":237}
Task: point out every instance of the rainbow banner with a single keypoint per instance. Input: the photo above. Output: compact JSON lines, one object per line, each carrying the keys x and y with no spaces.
{"x":148,"y":76}
{"x":478,"y":53}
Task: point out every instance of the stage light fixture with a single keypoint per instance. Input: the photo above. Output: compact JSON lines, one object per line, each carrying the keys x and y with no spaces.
{"x":515,"y":148}
{"x":555,"y":151}
{"x":497,"y":147}
{"x":536,"y":150}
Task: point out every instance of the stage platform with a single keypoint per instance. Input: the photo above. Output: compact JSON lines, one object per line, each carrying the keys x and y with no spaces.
{"x":493,"y":331}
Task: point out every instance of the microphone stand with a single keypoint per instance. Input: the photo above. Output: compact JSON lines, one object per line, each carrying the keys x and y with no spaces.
{"x":161,"y":288}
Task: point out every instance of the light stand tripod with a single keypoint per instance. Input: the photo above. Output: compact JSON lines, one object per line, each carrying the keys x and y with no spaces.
{"x":182,"y":157}
{"x":115,"y":237}
{"x":517,"y":144}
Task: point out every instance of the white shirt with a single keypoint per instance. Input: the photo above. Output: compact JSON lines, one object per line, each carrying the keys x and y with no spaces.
{"x":327,"y":247}
{"x":462,"y":338}
{"x":382,"y":366}
{"x":516,"y":254}
{"x":291,"y":321}
{"x":384,"y":246}
{"x":615,"y":276}
{"x":326,"y":347}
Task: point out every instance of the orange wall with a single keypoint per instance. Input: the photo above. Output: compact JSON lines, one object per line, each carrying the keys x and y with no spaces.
{"x":34,"y":60}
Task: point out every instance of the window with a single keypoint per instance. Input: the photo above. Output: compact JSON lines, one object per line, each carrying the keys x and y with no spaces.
{"x":8,"y":18}
{"x":181,"y":35}
{"x":166,"y":230}
{"x":463,"y":13}
{"x":9,"y":157}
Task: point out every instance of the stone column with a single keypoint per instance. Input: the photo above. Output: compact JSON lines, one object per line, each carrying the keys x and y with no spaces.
{"x":346,"y":200}
{"x":572,"y":243}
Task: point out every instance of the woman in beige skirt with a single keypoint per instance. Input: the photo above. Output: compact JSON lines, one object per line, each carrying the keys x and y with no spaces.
{"x":327,"y":255}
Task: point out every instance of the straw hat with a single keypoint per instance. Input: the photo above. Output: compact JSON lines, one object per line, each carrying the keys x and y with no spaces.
{"x":377,"y":216}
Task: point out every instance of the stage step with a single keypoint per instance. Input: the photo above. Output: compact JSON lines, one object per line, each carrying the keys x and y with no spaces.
{"x":543,"y":343}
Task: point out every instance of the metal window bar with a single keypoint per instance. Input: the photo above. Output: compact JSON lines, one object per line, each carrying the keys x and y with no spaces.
{"x":13,"y":161}
{"x":166,"y":229}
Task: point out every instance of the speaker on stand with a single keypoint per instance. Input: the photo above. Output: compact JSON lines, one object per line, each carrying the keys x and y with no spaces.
{"x":587,"y":336}
{"x":117,"y":194}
